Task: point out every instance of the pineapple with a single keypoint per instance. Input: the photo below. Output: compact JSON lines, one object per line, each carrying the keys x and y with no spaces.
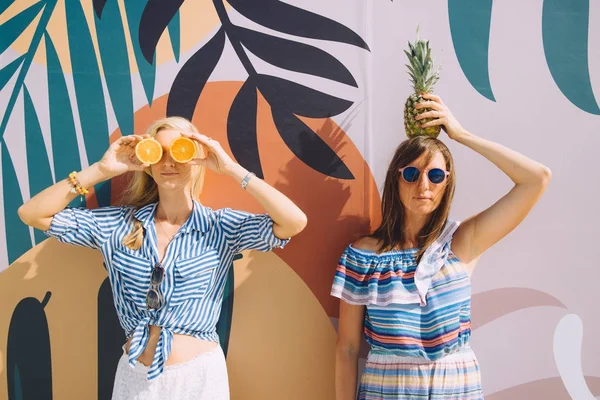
{"x":423,"y":77}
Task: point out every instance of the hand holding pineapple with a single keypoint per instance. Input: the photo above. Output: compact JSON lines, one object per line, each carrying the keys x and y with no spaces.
{"x":439,"y":115}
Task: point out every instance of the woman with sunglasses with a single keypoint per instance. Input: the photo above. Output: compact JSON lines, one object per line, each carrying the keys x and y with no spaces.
{"x":407,"y":285}
{"x":167,"y":257}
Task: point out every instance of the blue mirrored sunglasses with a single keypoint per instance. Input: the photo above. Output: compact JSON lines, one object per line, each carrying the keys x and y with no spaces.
{"x":435,"y":175}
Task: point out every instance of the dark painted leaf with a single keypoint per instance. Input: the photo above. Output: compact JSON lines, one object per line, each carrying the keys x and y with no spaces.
{"x":28,"y":351}
{"x":88,"y":90}
{"x":308,"y":146}
{"x":134,"y":10}
{"x":38,"y":166}
{"x":192,"y":77}
{"x":62,"y":125}
{"x":565,"y":33}
{"x":8,"y":71}
{"x":155,"y":18}
{"x":470,"y":28}
{"x":286,"y":18}
{"x":110,"y":340}
{"x":175,"y":35}
{"x":99,"y":6}
{"x":18,"y":240}
{"x":299,"y":99}
{"x":14,"y":27}
{"x":35,"y":41}
{"x":115,"y":61}
{"x":241,"y":128}
{"x":295,"y":56}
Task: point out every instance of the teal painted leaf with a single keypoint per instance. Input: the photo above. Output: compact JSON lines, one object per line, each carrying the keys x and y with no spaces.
{"x":62,"y":125}
{"x":226,"y":316}
{"x":134,"y":10}
{"x":17,"y":383}
{"x":113,"y":52}
{"x":7,"y":72}
{"x":18,"y":241}
{"x":4,"y":4}
{"x":38,"y":167}
{"x":88,"y":90}
{"x":470,"y":29}
{"x":565,"y":35}
{"x":14,"y":27}
{"x":35,"y":41}
{"x":175,"y":35}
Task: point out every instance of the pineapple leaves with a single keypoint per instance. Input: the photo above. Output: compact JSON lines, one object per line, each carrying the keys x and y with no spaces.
{"x":421,"y":66}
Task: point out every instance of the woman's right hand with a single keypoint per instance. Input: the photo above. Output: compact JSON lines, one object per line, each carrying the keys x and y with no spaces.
{"x":120,"y":157}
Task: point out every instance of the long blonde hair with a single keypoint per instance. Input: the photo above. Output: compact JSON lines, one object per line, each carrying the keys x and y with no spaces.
{"x":142,"y":189}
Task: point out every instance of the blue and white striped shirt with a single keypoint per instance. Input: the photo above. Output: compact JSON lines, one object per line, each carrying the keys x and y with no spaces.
{"x":196,"y":264}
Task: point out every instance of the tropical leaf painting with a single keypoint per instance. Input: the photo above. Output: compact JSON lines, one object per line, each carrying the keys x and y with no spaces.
{"x":288,"y":99}
{"x":565,"y":30}
{"x":86,"y":108}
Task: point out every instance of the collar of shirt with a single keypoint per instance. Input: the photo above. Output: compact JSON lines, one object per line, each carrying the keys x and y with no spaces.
{"x":201,"y":219}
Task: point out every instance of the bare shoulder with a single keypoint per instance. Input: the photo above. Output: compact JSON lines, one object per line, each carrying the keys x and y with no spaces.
{"x":366,"y":243}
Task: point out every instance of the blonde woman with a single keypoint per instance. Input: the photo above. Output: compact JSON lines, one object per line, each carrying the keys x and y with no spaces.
{"x":167,"y":257}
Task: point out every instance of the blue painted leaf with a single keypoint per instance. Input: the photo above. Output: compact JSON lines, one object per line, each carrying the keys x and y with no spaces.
{"x":147,"y":69}
{"x":565,"y":34}
{"x":4,"y":4}
{"x":18,"y":240}
{"x":7,"y":72}
{"x":88,"y":90}
{"x":14,"y":27}
{"x":62,"y":124}
{"x":470,"y":28}
{"x":308,"y":146}
{"x":35,"y":41}
{"x":175,"y":35}
{"x":226,"y":316}
{"x":113,"y":52}
{"x":38,"y":167}
{"x":299,"y":99}
{"x":295,"y":56}
{"x":155,"y":18}
{"x":286,"y":18}
{"x":192,"y":77}
{"x":241,"y":128}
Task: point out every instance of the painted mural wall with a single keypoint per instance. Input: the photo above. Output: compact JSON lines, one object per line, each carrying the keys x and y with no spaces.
{"x":307,"y":94}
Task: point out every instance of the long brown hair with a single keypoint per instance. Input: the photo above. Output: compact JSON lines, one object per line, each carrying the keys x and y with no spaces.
{"x":142,"y":189}
{"x":390,"y":234}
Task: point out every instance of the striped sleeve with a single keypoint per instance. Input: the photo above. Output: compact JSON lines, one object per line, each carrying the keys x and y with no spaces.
{"x":84,"y":227}
{"x":246,"y":231}
{"x":351,"y":280}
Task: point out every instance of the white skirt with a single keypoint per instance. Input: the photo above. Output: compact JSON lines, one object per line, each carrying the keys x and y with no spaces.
{"x":202,"y":378}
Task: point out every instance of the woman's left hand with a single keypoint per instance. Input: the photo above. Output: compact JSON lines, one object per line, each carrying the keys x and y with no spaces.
{"x":216,"y":158}
{"x":440,"y":114}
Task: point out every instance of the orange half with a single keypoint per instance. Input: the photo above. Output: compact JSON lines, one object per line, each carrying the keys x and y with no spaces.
{"x":148,"y":151}
{"x":184,"y":149}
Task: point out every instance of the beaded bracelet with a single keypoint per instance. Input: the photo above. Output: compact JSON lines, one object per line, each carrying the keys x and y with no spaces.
{"x":76,"y":185}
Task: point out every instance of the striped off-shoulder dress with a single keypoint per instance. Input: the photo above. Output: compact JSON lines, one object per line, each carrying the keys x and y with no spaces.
{"x":417,"y":321}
